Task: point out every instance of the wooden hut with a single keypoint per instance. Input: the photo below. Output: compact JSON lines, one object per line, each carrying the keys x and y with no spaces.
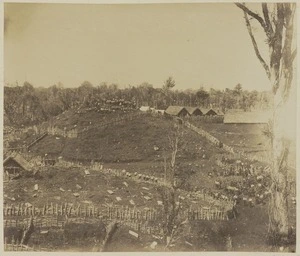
{"x":177,"y":111}
{"x":209,"y":112}
{"x":194,"y":111}
{"x":14,"y":165}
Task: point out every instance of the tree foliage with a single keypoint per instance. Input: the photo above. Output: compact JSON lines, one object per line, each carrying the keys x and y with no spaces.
{"x":30,"y":105}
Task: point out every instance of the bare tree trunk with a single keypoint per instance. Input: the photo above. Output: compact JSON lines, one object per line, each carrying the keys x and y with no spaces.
{"x":278,"y":26}
{"x":278,"y":205}
{"x":111,"y":230}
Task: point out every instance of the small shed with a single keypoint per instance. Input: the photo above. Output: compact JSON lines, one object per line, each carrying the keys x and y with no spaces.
{"x":14,"y":165}
{"x":177,"y":111}
{"x":194,"y":111}
{"x":209,"y":112}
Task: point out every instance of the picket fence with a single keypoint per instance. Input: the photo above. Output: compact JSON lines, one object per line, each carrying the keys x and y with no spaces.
{"x":15,"y":215}
{"x":88,"y":211}
{"x":138,"y":177}
{"x":17,"y":248}
{"x":206,"y":135}
{"x":72,"y":133}
{"x":205,"y":214}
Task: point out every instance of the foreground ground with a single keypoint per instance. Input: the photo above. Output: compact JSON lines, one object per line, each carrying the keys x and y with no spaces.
{"x":140,"y":145}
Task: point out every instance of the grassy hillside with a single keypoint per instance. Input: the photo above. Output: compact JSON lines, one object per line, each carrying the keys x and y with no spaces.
{"x":144,"y":138}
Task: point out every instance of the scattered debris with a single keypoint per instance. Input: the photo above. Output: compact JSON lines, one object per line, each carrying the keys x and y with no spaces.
{"x":119,"y":198}
{"x":145,"y":188}
{"x":28,"y":205}
{"x":78,"y":186}
{"x":61,"y":189}
{"x":110,"y":192}
{"x":133,"y":233}
{"x":159,"y":202}
{"x":147,"y":198}
{"x":156,"y":148}
{"x":86,"y":172}
{"x":44,"y":232}
{"x":36,"y":187}
{"x":76,"y":194}
{"x":87,"y":202}
{"x":125,"y":183}
{"x":34,"y":195}
{"x":131,"y":202}
{"x":188,"y":243}
{"x":156,"y":237}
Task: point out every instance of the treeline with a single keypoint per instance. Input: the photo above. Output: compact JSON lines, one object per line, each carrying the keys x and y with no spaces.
{"x":27,"y":105}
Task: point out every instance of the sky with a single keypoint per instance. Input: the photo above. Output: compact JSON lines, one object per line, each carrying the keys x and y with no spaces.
{"x":197,"y":44}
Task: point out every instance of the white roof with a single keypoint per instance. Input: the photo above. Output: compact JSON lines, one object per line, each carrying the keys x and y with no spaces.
{"x":144,"y":108}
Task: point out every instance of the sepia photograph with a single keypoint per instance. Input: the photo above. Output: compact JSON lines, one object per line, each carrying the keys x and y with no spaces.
{"x":149,"y":127}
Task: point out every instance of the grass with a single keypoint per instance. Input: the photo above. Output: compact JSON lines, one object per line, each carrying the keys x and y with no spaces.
{"x":125,"y":143}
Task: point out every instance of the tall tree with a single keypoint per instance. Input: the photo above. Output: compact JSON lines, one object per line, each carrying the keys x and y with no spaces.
{"x":166,"y":89}
{"x":202,"y":97}
{"x":277,"y":23}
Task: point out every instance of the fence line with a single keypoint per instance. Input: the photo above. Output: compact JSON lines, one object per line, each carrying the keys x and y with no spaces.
{"x":236,"y":152}
{"x":111,"y":213}
{"x":37,"y":140}
{"x":16,"y":246}
{"x":208,"y":119}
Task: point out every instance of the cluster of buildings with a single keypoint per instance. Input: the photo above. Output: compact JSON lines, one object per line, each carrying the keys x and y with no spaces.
{"x":181,"y":111}
{"x":232,"y":116}
{"x":191,"y":111}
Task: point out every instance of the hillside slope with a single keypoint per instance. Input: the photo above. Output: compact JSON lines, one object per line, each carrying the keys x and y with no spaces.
{"x":145,"y":137}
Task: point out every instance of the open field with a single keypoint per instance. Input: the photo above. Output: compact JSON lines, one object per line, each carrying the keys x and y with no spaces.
{"x":246,"y":137}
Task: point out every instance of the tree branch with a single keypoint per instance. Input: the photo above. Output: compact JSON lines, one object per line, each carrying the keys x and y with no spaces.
{"x":294,"y":53}
{"x":258,"y":55}
{"x":254,"y":15}
{"x":267,"y":20}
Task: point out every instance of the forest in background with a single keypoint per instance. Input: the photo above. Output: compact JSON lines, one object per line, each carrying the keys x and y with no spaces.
{"x":27,"y":104}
